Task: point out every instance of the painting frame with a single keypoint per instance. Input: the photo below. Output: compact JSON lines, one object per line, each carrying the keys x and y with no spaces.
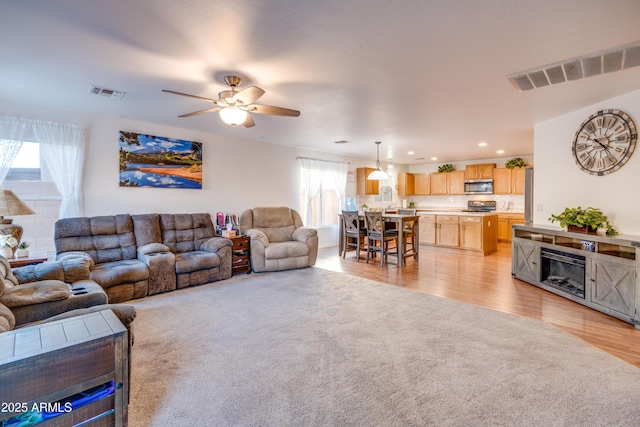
{"x":152,"y":161}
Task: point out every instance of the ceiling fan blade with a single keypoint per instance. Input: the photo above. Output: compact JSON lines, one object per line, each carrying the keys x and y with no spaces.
{"x":274,"y":111}
{"x":190,"y":96}
{"x":249,"y":95}
{"x":249,"y":123}
{"x":208,"y":110}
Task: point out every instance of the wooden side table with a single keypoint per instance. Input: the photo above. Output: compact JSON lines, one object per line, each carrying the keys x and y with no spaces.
{"x":35,"y":257}
{"x":240,"y":255}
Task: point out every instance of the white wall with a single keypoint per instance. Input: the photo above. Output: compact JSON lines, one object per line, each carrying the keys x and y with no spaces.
{"x":559,"y":183}
{"x":237,"y":174}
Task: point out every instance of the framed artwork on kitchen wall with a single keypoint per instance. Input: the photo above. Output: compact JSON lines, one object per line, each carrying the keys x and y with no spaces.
{"x":156,"y":161}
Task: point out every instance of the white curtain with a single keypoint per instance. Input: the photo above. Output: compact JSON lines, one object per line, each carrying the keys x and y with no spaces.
{"x":339,"y":173}
{"x":62,"y":147}
{"x":13,"y":131}
{"x":312,"y":171}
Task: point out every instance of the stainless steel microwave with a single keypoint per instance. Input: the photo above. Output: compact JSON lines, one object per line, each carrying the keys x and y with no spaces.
{"x":478,"y":186}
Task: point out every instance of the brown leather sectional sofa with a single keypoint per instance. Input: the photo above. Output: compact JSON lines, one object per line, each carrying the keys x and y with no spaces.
{"x":138,"y":255}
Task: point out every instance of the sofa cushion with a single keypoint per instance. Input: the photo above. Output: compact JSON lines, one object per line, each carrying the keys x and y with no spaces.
{"x":196,"y":260}
{"x":83,"y":293}
{"x":7,"y":278}
{"x":276,"y":223}
{"x":103,"y":238}
{"x":35,"y":293}
{"x":286,"y":250}
{"x":119,"y":272}
{"x":7,"y":319}
{"x":186,"y":232}
{"x":146,"y":228}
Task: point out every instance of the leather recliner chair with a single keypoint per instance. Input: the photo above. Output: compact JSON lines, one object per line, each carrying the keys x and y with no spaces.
{"x":279,"y":240}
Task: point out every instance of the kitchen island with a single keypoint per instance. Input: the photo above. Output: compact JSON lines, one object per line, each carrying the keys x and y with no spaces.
{"x":469,"y":231}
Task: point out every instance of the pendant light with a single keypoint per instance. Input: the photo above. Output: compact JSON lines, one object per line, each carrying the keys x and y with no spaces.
{"x":378,"y":174}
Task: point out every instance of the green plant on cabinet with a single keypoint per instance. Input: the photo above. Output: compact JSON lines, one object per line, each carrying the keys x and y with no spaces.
{"x":516,"y":162}
{"x":592,"y":218}
{"x":447,"y":167}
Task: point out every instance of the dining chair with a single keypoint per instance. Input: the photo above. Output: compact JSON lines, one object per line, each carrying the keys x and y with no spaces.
{"x":353,"y":233}
{"x":376,"y":233}
{"x":408,"y":231}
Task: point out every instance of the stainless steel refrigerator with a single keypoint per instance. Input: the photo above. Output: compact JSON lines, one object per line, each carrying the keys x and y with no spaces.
{"x":528,"y":196}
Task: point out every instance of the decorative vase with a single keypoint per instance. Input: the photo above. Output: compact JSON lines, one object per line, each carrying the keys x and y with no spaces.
{"x":584,"y":229}
{"x":6,"y":252}
{"x":22,"y":253}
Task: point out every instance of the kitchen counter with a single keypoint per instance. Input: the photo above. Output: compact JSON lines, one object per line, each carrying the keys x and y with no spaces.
{"x":469,"y":231}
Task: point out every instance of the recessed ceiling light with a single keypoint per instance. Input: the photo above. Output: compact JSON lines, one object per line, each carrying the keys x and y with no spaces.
{"x":419,"y":158}
{"x":482,"y":144}
{"x":342,"y":141}
{"x":434,"y":158}
{"x":411,"y":153}
{"x":500,"y":151}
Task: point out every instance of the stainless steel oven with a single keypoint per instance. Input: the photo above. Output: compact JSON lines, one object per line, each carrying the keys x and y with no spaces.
{"x":478,"y":186}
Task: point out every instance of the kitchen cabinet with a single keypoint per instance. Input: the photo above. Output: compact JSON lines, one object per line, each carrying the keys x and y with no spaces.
{"x":427,"y":229}
{"x":508,"y":181}
{"x":505,"y":224}
{"x":422,"y":184}
{"x":406,"y":184}
{"x":479,"y":171}
{"x":366,"y":186}
{"x":471,"y":232}
{"x":447,"y":231}
{"x":447,"y":183}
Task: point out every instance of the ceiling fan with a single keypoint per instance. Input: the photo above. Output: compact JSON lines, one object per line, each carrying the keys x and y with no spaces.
{"x":234,"y":106}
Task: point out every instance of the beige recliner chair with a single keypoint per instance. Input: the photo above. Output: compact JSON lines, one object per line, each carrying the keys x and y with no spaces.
{"x":279,"y":241}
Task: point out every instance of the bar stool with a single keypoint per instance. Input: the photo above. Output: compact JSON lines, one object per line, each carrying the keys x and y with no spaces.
{"x":408,"y":231}
{"x":353,"y":233}
{"x":376,"y":233}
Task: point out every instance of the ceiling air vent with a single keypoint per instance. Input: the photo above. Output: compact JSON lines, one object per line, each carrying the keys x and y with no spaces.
{"x":593,"y":64}
{"x":109,"y":93}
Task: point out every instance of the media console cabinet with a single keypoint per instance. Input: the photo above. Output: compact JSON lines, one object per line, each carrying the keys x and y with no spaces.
{"x":600,"y":272}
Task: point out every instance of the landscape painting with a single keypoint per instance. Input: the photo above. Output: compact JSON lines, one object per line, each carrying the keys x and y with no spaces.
{"x":156,"y":161}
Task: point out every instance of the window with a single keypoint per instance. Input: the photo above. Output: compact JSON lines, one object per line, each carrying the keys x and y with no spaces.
{"x":324,"y":207}
{"x":26,"y":165}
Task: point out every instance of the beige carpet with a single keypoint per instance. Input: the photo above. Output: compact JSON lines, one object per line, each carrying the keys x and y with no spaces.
{"x":316,"y":348}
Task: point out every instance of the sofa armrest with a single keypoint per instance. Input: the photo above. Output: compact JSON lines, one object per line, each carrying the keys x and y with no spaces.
{"x":67,"y":269}
{"x":152,"y":248}
{"x":65,"y":256}
{"x":303,"y":234}
{"x":214,"y":244}
{"x":257,"y":237}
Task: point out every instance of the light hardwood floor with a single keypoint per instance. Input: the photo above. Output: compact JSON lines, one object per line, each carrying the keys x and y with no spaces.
{"x":486,"y":281}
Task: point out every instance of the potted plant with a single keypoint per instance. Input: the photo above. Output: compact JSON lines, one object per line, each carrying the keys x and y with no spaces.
{"x":447,"y":167}
{"x":581,"y":220}
{"x":516,"y":162}
{"x":23,"y":249}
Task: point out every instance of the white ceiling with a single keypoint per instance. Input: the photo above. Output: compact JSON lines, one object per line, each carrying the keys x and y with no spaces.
{"x":422,"y":75}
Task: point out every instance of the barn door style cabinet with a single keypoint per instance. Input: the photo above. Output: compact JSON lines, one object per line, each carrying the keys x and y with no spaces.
{"x":600,"y":272}
{"x":66,"y":373}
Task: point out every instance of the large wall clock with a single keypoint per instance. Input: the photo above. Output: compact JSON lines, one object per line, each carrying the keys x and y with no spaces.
{"x":604,"y":142}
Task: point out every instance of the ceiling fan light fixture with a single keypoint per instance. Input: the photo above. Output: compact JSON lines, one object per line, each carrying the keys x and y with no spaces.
{"x":378,"y":174}
{"x":233,"y":116}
